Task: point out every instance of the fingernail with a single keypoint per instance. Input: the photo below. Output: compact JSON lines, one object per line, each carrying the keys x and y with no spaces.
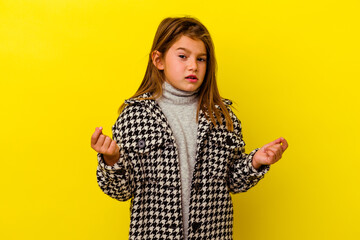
{"x":100,"y":128}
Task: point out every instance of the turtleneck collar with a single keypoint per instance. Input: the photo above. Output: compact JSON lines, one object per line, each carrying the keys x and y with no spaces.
{"x":177,"y":96}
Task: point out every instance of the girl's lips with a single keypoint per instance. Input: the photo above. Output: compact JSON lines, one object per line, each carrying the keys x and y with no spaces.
{"x":192,"y":78}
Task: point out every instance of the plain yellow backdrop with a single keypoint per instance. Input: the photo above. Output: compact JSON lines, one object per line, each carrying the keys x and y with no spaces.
{"x":291,"y":67}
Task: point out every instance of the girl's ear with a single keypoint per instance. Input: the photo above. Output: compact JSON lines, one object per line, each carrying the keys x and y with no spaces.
{"x":157,"y":60}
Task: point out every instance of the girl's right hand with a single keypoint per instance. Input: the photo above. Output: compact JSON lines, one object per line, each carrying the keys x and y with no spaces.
{"x":105,"y":145}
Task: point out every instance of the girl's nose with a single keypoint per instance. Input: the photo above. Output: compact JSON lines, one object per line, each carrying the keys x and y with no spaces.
{"x":193,"y":65}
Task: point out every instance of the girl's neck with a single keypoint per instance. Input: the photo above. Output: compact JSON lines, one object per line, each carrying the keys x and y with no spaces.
{"x":176,"y":96}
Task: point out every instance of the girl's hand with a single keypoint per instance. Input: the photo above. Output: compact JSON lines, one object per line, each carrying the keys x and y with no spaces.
{"x":105,"y":145}
{"x":270,"y":153}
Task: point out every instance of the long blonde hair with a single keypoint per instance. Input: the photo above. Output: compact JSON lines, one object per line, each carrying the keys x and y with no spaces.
{"x":168,"y":32}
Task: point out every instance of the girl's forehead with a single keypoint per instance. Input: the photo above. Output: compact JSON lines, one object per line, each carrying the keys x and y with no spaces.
{"x":189,"y":44}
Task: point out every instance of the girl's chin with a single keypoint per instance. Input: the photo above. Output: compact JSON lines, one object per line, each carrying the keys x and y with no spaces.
{"x":190,"y":88}
{"x":187,"y":87}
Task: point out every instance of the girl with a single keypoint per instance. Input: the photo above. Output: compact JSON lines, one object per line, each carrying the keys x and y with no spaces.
{"x":177,"y":150}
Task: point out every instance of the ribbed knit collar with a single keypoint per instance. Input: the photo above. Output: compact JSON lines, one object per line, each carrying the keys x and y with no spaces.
{"x":177,"y":96}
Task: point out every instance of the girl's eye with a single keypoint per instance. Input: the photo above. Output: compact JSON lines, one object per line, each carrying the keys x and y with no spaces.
{"x":182,"y":56}
{"x":202,"y":59}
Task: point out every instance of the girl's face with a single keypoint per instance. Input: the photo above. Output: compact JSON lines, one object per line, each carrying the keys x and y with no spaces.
{"x":184,"y":64}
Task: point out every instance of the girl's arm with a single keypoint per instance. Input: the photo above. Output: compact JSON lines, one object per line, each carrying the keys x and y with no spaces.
{"x":247,"y":170}
{"x":114,"y":173}
{"x":242,"y":174}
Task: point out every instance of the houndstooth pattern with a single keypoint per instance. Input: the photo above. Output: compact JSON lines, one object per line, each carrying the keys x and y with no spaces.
{"x":148,"y":173}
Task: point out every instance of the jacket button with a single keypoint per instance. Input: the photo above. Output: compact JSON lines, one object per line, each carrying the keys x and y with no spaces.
{"x":197,"y":186}
{"x":121,"y":171}
{"x":141,"y":143}
{"x":229,"y":141}
{"x":196,"y":226}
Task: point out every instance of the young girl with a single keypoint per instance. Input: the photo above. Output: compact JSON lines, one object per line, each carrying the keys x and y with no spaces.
{"x":177,"y":150}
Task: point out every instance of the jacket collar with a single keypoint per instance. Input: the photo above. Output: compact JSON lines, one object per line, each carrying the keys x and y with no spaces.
{"x":144,"y":98}
{"x":139,"y":99}
{"x":203,"y":122}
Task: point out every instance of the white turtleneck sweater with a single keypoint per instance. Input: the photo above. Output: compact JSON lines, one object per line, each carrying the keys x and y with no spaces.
{"x":180,"y":108}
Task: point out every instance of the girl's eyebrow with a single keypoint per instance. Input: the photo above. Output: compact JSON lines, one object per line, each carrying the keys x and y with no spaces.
{"x":186,"y":50}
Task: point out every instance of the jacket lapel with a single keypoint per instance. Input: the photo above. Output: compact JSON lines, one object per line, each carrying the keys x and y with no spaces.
{"x":204,"y":126}
{"x":153,"y":109}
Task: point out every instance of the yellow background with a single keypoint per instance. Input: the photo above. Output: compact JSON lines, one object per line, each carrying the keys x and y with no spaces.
{"x":292,"y":67}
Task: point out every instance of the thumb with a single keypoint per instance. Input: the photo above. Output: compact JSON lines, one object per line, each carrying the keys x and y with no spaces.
{"x":96,"y":135}
{"x":277,"y":141}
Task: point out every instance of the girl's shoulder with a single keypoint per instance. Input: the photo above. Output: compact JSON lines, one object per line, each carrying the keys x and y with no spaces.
{"x":139,"y":99}
{"x":235,"y":120}
{"x":134,"y":104}
{"x":138,"y":111}
{"x":229,"y":106}
{"x":227,"y":102}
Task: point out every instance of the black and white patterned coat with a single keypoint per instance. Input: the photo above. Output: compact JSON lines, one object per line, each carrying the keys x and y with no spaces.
{"x":148,"y":173}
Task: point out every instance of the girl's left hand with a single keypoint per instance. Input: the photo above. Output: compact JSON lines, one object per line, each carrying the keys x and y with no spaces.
{"x":269,"y":153}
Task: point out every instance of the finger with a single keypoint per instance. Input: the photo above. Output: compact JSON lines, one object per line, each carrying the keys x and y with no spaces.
{"x":274,"y":147}
{"x":277,"y":149}
{"x":106,"y":144}
{"x":95,"y":136}
{"x":100,"y":143}
{"x":113,"y":147}
{"x":284,"y":145}
{"x":271,"y":156}
{"x":278,"y":153}
{"x":272,"y":143}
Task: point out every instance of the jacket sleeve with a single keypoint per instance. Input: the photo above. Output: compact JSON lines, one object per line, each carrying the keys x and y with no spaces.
{"x":242,"y":174}
{"x":117,"y":180}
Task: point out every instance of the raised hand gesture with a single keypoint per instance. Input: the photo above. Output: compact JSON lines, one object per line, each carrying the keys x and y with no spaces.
{"x":105,"y":145}
{"x":270,"y":153}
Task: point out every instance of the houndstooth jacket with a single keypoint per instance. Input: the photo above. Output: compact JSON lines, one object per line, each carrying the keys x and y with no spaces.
{"x":148,"y":173}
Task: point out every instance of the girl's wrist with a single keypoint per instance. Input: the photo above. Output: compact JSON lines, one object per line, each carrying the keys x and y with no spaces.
{"x":255,"y":164}
{"x":111,"y":160}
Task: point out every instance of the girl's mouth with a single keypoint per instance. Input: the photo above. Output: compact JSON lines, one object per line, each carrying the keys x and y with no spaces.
{"x":192,"y":78}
